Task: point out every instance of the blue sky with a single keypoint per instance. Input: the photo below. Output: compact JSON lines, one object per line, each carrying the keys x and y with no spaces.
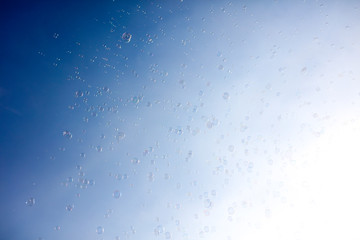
{"x":218,"y":120}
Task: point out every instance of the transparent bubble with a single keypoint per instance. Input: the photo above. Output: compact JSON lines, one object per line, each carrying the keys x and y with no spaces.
{"x":57,"y":228}
{"x":231,"y":148}
{"x":168,"y":235}
{"x":69,"y":207}
{"x":226,"y":95}
{"x":67,"y":134}
{"x":120,"y":136}
{"x":117,"y":194}
{"x":159,"y":230}
{"x":126,"y":37}
{"x":78,"y":167}
{"x":79,"y":94}
{"x":151,"y":177}
{"x":99,"y":230}
{"x":99,"y":148}
{"x":83,"y":155}
{"x":213,"y":192}
{"x":207,"y":203}
{"x":231,"y":210}
{"x":221,"y":67}
{"x":135,"y":161}
{"x":30,"y":202}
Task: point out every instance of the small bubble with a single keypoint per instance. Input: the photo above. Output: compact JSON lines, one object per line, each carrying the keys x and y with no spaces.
{"x":151,"y":177}
{"x":99,"y":230}
{"x":56,"y":35}
{"x":69,"y":207}
{"x":67,"y":134}
{"x":221,"y":67}
{"x":126,"y":37}
{"x":135,"y":161}
{"x":207,"y":203}
{"x":120,"y":136}
{"x":231,"y":211}
{"x":231,"y":148}
{"x":268,"y":213}
{"x":226,"y":95}
{"x":57,"y":228}
{"x":168,"y":235}
{"x":159,"y":230}
{"x":99,"y":148}
{"x":117,"y":194}
{"x":30,"y":202}
{"x":79,"y":94}
{"x":82,"y":155}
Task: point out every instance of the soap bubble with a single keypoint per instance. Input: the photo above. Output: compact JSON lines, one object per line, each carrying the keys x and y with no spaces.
{"x":126,"y":37}
{"x":207,"y":203}
{"x":226,"y":95}
{"x":30,"y":202}
{"x":120,"y":136}
{"x":69,"y":207}
{"x":117,"y":194}
{"x":100,"y":230}
{"x":67,"y":134}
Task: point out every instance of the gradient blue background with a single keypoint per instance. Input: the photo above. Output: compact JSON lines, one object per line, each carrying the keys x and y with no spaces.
{"x":219,"y":102}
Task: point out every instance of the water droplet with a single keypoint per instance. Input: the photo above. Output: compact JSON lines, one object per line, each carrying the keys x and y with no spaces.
{"x":168,"y":235}
{"x":99,"y":148}
{"x":30,"y":202}
{"x":83,"y":155}
{"x":99,"y":230}
{"x":221,"y":67}
{"x":117,"y":194}
{"x":126,"y":37}
{"x":57,"y":228}
{"x":67,"y":134}
{"x":226,"y":95}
